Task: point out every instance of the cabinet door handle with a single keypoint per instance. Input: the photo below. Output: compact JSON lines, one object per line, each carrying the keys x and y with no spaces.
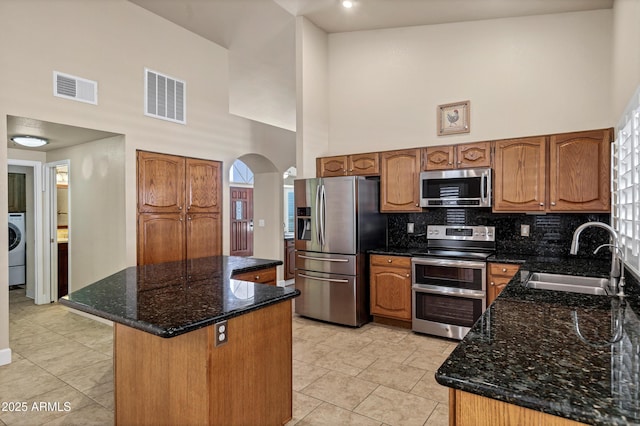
{"x":504,"y":269}
{"x":541,"y":204}
{"x":188,"y":217}
{"x":408,"y":275}
{"x":553,"y":203}
{"x":179,"y":207}
{"x":492,"y":283}
{"x":389,"y":260}
{"x":257,"y":277}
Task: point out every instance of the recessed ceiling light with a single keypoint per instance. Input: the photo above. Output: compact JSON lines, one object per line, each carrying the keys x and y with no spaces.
{"x":347,"y":3}
{"x":29,"y":141}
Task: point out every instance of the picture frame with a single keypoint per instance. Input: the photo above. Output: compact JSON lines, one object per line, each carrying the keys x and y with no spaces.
{"x":454,"y":118}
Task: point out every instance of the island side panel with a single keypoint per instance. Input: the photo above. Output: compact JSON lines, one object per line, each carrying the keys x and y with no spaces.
{"x":476,"y":410}
{"x":186,"y":380}
{"x":259,"y":352}
{"x":160,"y":381}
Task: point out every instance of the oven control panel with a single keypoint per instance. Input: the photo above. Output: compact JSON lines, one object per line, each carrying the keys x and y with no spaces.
{"x":463,"y":233}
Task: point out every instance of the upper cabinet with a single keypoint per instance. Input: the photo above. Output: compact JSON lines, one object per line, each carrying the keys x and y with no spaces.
{"x":172,"y":184}
{"x":579,"y":171}
{"x":519,"y":175}
{"x":399,"y":181}
{"x":203,"y":179}
{"x":160,"y":183}
{"x":367,"y":164}
{"x":457,"y":156}
{"x":17,"y":192}
{"x":567,"y":172}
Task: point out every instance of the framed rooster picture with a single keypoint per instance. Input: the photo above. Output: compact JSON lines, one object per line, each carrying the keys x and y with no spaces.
{"x":454,"y":118}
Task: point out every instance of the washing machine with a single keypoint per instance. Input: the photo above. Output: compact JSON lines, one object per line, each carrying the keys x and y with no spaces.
{"x":17,"y":249}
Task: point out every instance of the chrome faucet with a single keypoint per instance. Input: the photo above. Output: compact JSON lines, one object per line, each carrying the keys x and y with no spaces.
{"x":616,"y":264}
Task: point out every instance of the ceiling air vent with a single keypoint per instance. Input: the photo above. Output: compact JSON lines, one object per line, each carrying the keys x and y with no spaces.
{"x":164,"y":97}
{"x":75,"y":88}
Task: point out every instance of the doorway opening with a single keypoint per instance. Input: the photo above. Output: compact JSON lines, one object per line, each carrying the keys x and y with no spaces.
{"x":241,"y":195}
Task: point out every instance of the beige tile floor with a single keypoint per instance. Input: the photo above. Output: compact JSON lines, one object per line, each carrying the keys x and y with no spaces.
{"x":373,"y":375}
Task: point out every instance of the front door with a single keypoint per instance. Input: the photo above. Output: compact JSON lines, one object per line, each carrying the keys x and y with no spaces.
{"x":241,"y":221}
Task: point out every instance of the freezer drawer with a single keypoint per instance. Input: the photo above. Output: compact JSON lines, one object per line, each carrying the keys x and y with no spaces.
{"x":335,"y":298}
{"x":344,"y":264}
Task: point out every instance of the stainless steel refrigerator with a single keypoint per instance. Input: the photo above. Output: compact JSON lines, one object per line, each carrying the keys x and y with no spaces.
{"x":337,"y":221}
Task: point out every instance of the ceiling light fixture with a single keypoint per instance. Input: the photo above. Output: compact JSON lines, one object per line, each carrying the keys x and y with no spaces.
{"x":347,"y":3}
{"x":29,"y":141}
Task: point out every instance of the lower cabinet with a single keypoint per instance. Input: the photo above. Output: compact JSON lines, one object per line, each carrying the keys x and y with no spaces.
{"x":498,"y":276}
{"x":467,"y":409}
{"x":262,"y":276}
{"x":390,"y":287}
{"x":289,"y":259}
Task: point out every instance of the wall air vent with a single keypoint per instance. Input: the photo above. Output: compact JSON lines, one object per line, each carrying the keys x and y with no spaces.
{"x":75,"y":88}
{"x":164,"y":97}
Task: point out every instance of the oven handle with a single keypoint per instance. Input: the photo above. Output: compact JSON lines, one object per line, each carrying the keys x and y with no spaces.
{"x":331,"y":280}
{"x":323,"y":259}
{"x":448,"y":262}
{"x":449,"y":291}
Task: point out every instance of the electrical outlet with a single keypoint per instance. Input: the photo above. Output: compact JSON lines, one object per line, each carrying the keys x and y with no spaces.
{"x":410,"y":228}
{"x":222,"y":333}
{"x":524,"y":230}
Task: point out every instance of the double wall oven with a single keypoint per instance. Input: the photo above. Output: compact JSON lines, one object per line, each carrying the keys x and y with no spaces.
{"x":449,"y":284}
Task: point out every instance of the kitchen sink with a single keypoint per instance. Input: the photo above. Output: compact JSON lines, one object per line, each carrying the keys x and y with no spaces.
{"x":568,"y":283}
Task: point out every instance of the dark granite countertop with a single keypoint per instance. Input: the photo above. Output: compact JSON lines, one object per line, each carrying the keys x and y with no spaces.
{"x":173,"y":298}
{"x":525,"y":350}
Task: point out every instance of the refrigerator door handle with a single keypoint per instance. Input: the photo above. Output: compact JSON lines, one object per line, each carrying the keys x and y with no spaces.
{"x":323,"y":259}
{"x":323,"y":208}
{"x":317,"y":214}
{"x":333,"y":280}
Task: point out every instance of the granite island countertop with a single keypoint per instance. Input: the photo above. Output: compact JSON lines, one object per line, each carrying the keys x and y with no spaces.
{"x":525,"y":350}
{"x":169,"y":299}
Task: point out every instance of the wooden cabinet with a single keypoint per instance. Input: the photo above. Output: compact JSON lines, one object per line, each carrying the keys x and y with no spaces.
{"x":457,"y":156}
{"x":191,"y":380}
{"x":262,"y":276}
{"x":567,"y":172}
{"x":367,"y":164}
{"x":498,"y":276}
{"x":579,"y":171}
{"x":519,"y":177}
{"x":172,"y":184}
{"x":289,"y":259}
{"x":467,"y":409}
{"x":390,"y":287}
{"x":399,"y":181}
{"x":203,"y":180}
{"x":179,"y":202}
{"x":17,"y":192}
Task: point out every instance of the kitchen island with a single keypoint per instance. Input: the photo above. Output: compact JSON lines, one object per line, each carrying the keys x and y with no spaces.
{"x":194,"y":346}
{"x":523,"y":361}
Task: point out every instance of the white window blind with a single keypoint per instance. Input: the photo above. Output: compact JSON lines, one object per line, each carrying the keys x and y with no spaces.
{"x":625,"y":209}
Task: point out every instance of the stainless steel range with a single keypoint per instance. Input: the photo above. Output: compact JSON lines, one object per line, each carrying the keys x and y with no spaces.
{"x":449,"y":283}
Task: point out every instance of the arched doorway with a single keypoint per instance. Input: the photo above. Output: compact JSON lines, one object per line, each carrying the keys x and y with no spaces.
{"x":241,"y":215}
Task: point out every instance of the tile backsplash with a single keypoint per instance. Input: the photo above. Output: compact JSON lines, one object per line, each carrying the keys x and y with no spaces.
{"x":549,"y":234}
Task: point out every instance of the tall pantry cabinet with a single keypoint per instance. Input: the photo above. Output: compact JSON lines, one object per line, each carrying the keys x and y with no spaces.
{"x":179,"y":202}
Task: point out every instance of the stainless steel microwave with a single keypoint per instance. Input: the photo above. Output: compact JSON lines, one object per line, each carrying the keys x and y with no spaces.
{"x":456,"y":188}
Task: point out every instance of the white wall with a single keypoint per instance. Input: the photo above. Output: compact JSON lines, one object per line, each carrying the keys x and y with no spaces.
{"x":523,"y":76}
{"x":312,"y":83}
{"x":97,"y":227}
{"x":626,"y":53}
{"x":112,"y":42}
